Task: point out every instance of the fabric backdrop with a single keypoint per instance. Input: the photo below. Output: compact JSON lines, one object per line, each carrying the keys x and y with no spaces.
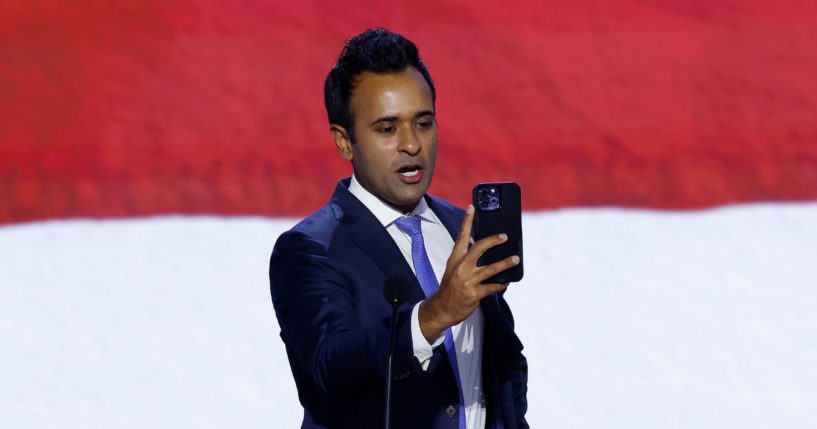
{"x":116,"y":109}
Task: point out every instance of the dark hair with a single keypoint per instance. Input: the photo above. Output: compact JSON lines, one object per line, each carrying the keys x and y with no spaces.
{"x":376,"y":50}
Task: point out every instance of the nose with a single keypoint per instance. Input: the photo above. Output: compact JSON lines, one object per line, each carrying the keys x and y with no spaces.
{"x":409,"y":142}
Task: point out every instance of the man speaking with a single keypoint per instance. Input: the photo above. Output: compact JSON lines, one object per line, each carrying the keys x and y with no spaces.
{"x":457,"y":361}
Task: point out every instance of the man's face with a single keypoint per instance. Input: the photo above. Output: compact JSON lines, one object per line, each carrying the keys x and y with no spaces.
{"x":396,"y":136}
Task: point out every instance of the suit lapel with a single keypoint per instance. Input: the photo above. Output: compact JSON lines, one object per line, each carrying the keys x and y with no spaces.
{"x":367,"y":232}
{"x":450,"y":216}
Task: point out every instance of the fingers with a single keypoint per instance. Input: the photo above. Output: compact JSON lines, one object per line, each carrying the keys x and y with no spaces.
{"x":497,"y":267}
{"x":483,"y":245}
{"x":461,"y":246}
{"x":491,"y":288}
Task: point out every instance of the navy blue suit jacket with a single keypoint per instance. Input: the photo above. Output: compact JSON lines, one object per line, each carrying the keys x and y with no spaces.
{"x":326,"y":279}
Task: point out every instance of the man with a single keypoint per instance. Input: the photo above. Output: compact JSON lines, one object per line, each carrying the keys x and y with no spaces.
{"x":458,"y":363}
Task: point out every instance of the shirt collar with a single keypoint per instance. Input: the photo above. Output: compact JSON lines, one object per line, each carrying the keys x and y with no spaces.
{"x":385,"y":213}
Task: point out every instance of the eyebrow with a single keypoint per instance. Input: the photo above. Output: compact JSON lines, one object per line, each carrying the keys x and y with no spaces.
{"x":394,"y":118}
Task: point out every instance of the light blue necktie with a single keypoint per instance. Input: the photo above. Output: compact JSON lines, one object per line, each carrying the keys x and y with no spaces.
{"x":428,"y":281}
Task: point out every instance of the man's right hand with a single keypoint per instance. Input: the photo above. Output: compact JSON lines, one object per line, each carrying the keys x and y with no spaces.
{"x":461,"y":288}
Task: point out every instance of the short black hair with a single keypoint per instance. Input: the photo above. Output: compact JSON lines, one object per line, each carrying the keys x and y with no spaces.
{"x":376,"y":50}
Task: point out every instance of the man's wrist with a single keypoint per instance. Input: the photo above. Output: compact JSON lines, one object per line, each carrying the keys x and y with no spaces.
{"x":430,"y":324}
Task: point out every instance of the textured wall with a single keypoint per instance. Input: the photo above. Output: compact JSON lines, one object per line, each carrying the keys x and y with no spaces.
{"x":134,"y":108}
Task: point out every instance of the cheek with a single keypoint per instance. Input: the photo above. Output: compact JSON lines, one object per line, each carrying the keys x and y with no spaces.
{"x":380,"y":152}
{"x":432,"y":150}
{"x":372,"y":161}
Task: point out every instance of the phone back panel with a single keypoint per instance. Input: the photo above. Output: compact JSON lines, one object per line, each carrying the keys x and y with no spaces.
{"x":496,"y":216}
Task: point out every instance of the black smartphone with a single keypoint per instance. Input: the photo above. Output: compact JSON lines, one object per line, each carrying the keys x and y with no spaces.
{"x":498,"y":209}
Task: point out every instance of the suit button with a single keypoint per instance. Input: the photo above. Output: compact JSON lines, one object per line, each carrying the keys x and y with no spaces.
{"x":451,"y":411}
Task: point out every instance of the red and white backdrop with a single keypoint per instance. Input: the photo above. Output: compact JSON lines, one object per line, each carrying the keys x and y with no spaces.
{"x":152,"y":151}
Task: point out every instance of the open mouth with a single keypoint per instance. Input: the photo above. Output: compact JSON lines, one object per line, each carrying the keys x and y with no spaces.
{"x":410,"y":173}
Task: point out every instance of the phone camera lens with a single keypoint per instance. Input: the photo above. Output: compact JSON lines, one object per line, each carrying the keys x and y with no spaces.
{"x":488,"y":198}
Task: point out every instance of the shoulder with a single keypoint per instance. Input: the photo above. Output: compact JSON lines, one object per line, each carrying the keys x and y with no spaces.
{"x":312,"y":234}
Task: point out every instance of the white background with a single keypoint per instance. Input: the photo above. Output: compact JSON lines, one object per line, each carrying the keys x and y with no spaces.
{"x":631,"y":319}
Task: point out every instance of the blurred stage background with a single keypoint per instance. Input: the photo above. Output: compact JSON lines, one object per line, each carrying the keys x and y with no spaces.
{"x":151,"y":152}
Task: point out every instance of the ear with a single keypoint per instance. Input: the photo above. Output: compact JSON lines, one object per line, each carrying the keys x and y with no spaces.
{"x":342,"y":142}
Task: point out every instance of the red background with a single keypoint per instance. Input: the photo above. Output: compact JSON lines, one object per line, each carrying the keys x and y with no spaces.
{"x":127,"y":108}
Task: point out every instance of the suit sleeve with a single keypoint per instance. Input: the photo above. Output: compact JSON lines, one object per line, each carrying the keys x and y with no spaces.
{"x":518,"y":371}
{"x":314,"y":305}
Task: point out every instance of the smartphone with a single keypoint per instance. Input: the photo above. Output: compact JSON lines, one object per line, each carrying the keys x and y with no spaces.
{"x":498,"y":209}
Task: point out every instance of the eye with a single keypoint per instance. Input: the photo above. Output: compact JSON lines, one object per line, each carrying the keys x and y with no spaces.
{"x":424,"y":124}
{"x":385,"y":130}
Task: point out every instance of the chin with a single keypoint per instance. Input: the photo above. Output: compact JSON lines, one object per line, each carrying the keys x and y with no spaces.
{"x":406,"y":200}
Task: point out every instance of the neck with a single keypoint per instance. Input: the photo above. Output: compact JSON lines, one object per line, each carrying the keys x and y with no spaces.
{"x":405,"y":209}
{"x":402,"y":208}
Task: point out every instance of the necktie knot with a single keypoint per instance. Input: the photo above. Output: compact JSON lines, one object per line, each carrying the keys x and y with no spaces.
{"x":410,"y":225}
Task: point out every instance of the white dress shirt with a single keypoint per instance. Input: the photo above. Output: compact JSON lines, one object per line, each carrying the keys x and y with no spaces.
{"x":467,"y":334}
